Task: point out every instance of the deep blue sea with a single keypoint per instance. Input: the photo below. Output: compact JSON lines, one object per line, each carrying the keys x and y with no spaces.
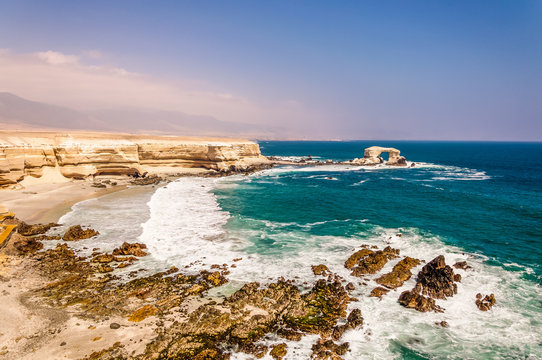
{"x":482,"y":197}
{"x":474,"y":202}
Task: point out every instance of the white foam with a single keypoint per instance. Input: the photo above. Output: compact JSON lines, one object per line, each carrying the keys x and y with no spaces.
{"x":186,"y":223}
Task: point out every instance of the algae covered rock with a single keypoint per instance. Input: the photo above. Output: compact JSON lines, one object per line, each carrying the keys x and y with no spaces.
{"x":76,"y":232}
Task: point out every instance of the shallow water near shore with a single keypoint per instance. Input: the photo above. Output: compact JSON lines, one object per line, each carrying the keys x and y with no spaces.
{"x":479,"y":202}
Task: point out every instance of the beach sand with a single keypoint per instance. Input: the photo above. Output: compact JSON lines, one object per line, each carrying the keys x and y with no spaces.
{"x":47,"y":202}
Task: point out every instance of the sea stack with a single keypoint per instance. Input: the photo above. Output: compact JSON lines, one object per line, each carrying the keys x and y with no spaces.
{"x":372,"y":157}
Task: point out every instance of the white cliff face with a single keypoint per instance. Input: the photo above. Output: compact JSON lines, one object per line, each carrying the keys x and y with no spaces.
{"x":372,"y":154}
{"x":88,"y":154}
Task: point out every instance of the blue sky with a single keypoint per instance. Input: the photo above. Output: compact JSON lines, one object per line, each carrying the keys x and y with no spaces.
{"x":327,"y":69}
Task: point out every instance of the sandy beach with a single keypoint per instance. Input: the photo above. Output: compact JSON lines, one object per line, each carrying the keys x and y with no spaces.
{"x":46,"y":202}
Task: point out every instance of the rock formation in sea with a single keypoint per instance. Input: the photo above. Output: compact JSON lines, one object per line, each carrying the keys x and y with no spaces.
{"x":83,"y":155}
{"x":372,"y":156}
{"x":436,"y":280}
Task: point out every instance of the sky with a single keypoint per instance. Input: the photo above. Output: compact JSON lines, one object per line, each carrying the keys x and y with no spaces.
{"x":375,"y":69}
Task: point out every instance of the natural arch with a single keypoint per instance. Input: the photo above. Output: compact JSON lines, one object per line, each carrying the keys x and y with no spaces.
{"x":372,"y":156}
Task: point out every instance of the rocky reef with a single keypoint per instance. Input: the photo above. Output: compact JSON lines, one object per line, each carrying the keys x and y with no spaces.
{"x":184,"y":322}
{"x":372,"y":156}
{"x":79,"y":156}
{"x":436,"y":280}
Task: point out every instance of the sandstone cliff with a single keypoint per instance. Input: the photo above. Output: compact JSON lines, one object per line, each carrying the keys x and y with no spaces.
{"x":82,"y":155}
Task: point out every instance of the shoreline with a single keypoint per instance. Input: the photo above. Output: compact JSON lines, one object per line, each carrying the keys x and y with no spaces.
{"x":44,"y":203}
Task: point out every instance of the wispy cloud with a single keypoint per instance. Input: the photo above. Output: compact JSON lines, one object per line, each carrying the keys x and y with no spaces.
{"x":56,"y":58}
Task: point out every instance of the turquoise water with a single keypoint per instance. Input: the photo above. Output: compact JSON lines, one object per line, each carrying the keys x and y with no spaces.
{"x":479,"y":202}
{"x":483,"y":197}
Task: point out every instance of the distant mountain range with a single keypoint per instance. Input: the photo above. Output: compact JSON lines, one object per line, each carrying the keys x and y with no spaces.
{"x":19,"y":113}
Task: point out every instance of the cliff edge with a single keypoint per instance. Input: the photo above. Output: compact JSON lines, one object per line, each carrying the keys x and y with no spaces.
{"x":80,"y":155}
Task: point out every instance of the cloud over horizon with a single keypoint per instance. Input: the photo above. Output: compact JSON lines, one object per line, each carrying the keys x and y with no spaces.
{"x":84,"y":83}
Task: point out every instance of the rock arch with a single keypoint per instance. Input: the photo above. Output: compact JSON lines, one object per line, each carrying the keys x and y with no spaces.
{"x":372,"y":156}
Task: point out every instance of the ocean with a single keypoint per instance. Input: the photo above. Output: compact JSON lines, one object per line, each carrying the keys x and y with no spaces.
{"x":479,"y":202}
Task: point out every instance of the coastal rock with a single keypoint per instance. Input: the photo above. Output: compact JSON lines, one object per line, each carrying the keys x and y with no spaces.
{"x":147,"y":180}
{"x":462,"y":265}
{"x":320,"y":270}
{"x":436,"y":279}
{"x":399,"y":274}
{"x":21,"y":245}
{"x":76,"y":232}
{"x":36,"y":229}
{"x":328,"y":350}
{"x":142,"y":313}
{"x":372,"y":157}
{"x":486,"y":303}
{"x":411,"y":299}
{"x":367,"y":261}
{"x":278,"y":351}
{"x":353,"y":321}
{"x":379,"y":291}
{"x":135,"y":249}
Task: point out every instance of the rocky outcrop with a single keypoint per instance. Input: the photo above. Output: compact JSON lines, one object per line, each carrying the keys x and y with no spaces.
{"x":413,"y":300}
{"x":367,"y":261}
{"x":79,"y":156}
{"x":76,"y":232}
{"x":436,"y":280}
{"x":372,"y":157}
{"x":399,"y":274}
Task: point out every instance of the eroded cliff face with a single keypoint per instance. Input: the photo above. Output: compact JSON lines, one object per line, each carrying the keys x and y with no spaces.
{"x":79,"y":156}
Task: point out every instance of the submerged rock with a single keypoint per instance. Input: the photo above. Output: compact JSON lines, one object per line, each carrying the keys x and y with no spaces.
{"x":76,"y":232}
{"x":486,"y":303}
